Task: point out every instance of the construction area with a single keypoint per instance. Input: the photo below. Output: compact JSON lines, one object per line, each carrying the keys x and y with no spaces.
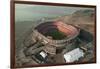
{"x":68,"y":39}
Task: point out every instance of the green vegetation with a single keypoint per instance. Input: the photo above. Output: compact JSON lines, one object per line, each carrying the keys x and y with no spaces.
{"x":56,"y":34}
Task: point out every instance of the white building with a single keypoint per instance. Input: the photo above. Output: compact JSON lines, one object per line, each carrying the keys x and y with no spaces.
{"x":43,"y":54}
{"x":73,"y":55}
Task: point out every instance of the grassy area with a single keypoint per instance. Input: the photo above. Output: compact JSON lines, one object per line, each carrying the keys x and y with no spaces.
{"x":56,"y":34}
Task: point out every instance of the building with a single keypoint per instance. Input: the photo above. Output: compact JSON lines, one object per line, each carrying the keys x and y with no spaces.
{"x":73,"y":55}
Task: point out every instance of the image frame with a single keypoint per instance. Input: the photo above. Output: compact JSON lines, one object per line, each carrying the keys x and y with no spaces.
{"x":12,"y":30}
